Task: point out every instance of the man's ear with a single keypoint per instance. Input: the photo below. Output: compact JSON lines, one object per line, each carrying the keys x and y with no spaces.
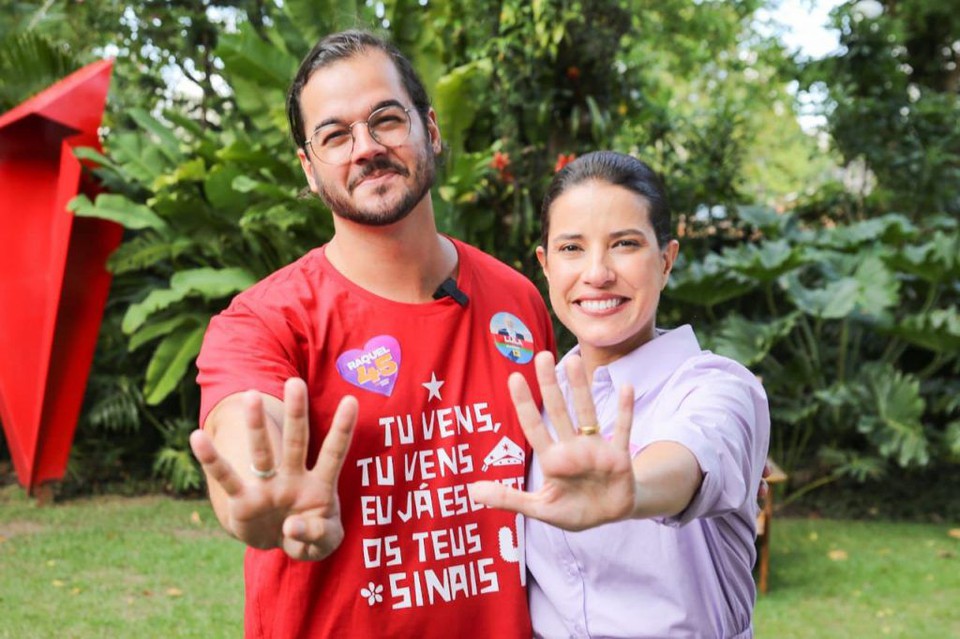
{"x":307,"y":169}
{"x":433,"y":130}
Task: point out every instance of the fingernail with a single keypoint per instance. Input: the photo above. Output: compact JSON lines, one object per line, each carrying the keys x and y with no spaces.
{"x":299,"y":528}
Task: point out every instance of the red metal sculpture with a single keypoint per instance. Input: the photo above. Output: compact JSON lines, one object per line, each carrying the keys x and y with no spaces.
{"x":53,"y":283}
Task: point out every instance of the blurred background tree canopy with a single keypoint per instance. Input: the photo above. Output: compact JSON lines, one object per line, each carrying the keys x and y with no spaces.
{"x":825,"y":258}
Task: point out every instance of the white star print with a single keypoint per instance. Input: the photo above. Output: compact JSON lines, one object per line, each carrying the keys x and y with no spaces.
{"x":433,"y":386}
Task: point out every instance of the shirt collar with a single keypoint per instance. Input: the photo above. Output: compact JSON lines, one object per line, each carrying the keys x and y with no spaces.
{"x":654,"y":361}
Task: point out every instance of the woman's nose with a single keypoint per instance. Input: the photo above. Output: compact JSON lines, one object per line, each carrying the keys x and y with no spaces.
{"x":599,"y":272}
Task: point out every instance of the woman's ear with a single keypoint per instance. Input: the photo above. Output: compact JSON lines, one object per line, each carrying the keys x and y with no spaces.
{"x":542,"y":258}
{"x":669,"y":257}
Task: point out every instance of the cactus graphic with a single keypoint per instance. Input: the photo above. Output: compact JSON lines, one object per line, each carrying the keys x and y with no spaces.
{"x":513,"y":552}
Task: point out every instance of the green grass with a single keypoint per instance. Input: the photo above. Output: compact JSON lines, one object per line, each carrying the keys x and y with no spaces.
{"x":856,"y":579}
{"x":159,"y":567}
{"x":116,"y":567}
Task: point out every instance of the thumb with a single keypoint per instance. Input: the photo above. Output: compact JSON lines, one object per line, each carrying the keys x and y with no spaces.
{"x":494,"y":495}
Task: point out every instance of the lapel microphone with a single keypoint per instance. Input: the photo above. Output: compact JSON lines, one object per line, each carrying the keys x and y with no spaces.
{"x":448,"y":288}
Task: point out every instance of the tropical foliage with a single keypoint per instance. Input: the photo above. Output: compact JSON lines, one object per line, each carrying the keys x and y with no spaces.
{"x":842,"y":296}
{"x":853,"y":329}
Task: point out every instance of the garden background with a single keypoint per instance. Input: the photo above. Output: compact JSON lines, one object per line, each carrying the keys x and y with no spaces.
{"x":824,"y":258}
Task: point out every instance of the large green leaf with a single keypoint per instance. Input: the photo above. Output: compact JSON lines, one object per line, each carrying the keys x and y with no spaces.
{"x":836,"y":300}
{"x":119,"y":209}
{"x":891,"y":411}
{"x":260,"y":63}
{"x":765,"y":218}
{"x":95,"y":156}
{"x":935,"y":260}
{"x":937,"y":330}
{"x":951,"y":439}
{"x":244,"y":184}
{"x":707,"y":283}
{"x":161,"y":134}
{"x":877,"y":287}
{"x":748,"y":341}
{"x":137,"y":157}
{"x":888,"y":228}
{"x":456,"y":103}
{"x":193,"y":170}
{"x":145,"y":250}
{"x":171,"y":360}
{"x":153,"y":330}
{"x":317,"y":18}
{"x":218,"y":188}
{"x":210,"y":283}
{"x":765,"y":262}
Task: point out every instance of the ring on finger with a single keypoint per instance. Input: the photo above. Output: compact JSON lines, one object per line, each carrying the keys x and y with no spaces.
{"x":591,"y":429}
{"x":263,"y":474}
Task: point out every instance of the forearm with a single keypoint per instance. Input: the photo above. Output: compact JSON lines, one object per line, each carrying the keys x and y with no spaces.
{"x":667,"y":478}
{"x":227,"y":428}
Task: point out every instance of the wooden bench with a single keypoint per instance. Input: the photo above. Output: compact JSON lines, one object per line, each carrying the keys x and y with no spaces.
{"x":764,"y":519}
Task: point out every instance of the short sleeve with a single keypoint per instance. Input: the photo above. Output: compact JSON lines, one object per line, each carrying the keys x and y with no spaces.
{"x":245,"y":349}
{"x":719,"y":412}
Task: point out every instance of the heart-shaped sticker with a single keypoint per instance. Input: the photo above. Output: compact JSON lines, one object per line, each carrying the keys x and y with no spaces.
{"x":373,"y":367}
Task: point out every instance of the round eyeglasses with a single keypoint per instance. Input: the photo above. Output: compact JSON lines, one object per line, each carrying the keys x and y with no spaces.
{"x":333,"y":143}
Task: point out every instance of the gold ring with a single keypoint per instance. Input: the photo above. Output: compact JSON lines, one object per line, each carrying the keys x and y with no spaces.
{"x":263,"y":474}
{"x":590,"y":430}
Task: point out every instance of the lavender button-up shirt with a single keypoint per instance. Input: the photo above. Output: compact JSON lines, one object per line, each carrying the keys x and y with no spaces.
{"x":684,"y":576}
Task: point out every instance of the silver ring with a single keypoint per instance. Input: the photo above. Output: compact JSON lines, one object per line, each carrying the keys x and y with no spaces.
{"x":262,"y":474}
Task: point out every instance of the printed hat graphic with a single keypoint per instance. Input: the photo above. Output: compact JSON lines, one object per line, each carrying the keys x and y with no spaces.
{"x":53,"y":284}
{"x":505,"y":453}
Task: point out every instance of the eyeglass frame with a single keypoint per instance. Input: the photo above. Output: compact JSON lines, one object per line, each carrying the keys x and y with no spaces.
{"x":353,"y":138}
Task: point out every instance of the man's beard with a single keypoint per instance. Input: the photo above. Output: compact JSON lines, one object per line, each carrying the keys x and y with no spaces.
{"x":424,"y":174}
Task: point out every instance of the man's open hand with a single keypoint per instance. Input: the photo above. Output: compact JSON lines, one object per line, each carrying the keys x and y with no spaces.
{"x":284,"y":506}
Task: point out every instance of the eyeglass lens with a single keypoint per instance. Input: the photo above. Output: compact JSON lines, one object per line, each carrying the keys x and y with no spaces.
{"x":333,"y":143}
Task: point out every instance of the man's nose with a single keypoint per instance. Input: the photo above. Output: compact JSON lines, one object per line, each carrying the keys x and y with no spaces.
{"x":365,"y":145}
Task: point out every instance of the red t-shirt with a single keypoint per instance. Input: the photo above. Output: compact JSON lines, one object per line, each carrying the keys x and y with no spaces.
{"x":419,"y":558}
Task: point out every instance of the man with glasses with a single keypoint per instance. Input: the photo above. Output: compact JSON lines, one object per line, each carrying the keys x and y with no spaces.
{"x":349,"y":398}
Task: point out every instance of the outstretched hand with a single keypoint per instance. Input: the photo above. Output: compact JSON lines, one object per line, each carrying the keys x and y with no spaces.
{"x":588,"y":480}
{"x":284,"y":505}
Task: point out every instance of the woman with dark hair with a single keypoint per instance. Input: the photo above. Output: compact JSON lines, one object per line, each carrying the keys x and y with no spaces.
{"x":642,"y":503}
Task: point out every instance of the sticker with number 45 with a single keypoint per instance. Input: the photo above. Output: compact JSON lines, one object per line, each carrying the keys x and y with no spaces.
{"x":375,"y":367}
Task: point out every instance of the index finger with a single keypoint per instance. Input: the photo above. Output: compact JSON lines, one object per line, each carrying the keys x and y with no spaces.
{"x":217,"y":468}
{"x":553,"y":402}
{"x":335,"y":445}
{"x":296,"y":426}
{"x":528,"y":413}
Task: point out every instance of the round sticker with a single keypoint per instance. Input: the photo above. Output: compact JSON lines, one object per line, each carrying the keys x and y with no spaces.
{"x":512,"y":338}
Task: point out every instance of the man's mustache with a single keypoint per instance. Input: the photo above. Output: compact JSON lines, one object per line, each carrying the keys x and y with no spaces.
{"x":378,"y":164}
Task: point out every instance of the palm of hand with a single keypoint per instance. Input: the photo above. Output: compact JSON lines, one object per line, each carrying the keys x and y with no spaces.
{"x":587,"y":481}
{"x":260,"y":512}
{"x":292,"y":508}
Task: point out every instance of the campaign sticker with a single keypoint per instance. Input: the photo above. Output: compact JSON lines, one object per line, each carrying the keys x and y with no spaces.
{"x":373,"y":367}
{"x":512,"y":338}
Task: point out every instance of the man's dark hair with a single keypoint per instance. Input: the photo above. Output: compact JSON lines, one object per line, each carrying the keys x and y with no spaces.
{"x":617,"y":169}
{"x":342,"y":46}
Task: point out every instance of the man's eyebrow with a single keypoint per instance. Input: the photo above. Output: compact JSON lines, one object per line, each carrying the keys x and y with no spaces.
{"x":379,"y":105}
